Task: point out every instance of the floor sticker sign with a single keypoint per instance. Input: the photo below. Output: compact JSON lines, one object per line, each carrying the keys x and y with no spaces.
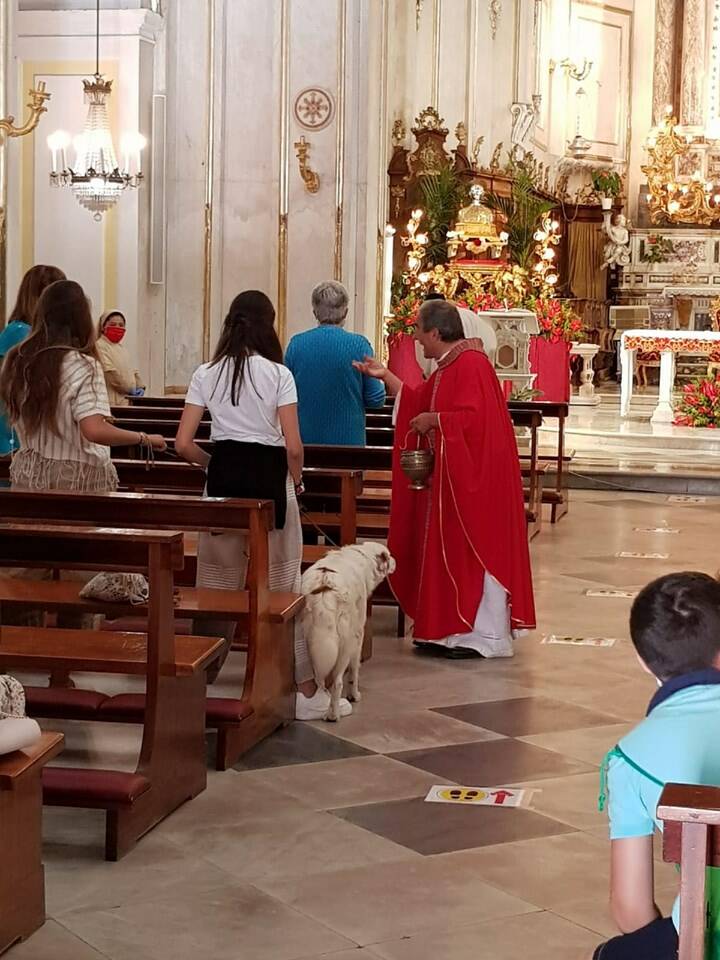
{"x":665,"y":530}
{"x":581,"y":641}
{"x":612,"y":594}
{"x":629,"y":555}
{"x":480,"y":796}
{"x":686,"y":499}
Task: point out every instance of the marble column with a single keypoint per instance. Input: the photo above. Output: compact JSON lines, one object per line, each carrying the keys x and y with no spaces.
{"x":692,"y":97}
{"x":665,"y":53}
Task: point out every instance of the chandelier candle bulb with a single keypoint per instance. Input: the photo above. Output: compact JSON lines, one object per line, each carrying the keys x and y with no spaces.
{"x":388,"y":251}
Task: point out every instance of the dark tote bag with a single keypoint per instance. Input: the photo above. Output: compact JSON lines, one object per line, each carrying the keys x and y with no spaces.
{"x":254,"y":471}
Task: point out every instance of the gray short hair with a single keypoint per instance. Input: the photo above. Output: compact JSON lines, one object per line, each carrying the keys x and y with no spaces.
{"x":330,"y":302}
{"x":443,"y":316}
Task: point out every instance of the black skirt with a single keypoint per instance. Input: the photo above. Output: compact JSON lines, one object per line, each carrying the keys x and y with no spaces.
{"x":251,"y":471}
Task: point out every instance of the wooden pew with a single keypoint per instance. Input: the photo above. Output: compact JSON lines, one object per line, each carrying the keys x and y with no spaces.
{"x":556,"y":496}
{"x":22,"y":877}
{"x":171,"y":765}
{"x":691,"y":838}
{"x":266,"y":702}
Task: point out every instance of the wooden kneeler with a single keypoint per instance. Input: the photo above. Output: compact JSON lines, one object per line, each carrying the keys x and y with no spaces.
{"x":171,"y":766}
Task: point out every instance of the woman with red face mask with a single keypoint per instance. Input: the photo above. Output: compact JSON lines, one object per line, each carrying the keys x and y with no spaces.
{"x":121,"y":378}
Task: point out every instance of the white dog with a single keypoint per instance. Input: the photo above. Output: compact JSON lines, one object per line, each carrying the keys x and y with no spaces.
{"x":337,"y":590}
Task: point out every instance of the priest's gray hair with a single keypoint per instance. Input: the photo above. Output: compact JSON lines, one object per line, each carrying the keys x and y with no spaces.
{"x":443,"y":316}
{"x":330,"y":302}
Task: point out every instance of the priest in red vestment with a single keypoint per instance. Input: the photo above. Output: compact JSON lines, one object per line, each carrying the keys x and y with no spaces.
{"x":463,"y":564}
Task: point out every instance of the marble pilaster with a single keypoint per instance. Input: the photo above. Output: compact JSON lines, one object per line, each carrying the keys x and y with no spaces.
{"x":665,"y":54}
{"x":692,"y":97}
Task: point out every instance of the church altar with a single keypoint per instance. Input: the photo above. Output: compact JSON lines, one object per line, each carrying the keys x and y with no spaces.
{"x":668,"y":343}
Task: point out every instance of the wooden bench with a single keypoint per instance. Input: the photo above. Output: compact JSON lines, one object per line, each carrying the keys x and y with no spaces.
{"x":22,"y":877}
{"x":691,"y":838}
{"x":171,"y":765}
{"x":556,"y":495}
{"x":267,"y":698}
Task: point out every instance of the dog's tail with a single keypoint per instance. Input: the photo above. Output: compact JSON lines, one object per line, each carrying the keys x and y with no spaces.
{"x":323,"y":580}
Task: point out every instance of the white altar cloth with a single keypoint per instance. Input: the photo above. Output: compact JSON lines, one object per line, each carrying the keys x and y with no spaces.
{"x":668,"y":343}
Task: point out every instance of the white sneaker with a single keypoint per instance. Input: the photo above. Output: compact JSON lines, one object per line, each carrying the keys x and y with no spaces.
{"x":315,"y":707}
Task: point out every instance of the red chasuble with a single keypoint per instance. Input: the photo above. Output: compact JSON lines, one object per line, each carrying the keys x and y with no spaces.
{"x":472,"y":518}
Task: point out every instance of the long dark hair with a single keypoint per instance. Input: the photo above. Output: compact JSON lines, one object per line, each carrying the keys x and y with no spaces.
{"x":31,"y":287}
{"x":248,"y":329}
{"x":30,"y":378}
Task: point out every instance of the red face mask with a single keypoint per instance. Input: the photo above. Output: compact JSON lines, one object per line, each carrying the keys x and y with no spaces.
{"x":114,"y":334}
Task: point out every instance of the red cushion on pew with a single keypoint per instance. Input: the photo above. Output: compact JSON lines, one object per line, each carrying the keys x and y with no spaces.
{"x":126,"y":707}
{"x":63,"y":702}
{"x":226,"y":710}
{"x":130,"y":707}
{"x":139,"y":625}
{"x":77,"y":787}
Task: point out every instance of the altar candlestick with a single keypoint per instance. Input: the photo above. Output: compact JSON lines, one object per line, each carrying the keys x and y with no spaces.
{"x":388,"y":244}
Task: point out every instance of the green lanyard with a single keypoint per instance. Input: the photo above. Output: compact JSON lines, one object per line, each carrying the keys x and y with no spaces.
{"x":610,"y":755}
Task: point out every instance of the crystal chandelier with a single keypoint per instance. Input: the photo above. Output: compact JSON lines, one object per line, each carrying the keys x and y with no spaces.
{"x":95,"y":178}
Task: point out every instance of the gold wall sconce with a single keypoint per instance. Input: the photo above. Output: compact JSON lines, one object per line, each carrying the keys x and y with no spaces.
{"x":310,"y":178}
{"x":36,"y":106}
{"x":576,"y":71}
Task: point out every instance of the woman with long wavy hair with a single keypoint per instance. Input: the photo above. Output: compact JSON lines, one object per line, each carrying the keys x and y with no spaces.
{"x":18,"y":328}
{"x":257,"y":453}
{"x":53,"y":389}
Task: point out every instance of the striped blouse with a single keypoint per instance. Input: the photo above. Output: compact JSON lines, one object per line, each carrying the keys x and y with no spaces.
{"x":82,"y":394}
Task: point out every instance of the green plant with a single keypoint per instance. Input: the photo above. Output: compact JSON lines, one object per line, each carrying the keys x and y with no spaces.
{"x":523,"y":210}
{"x":443,"y":194}
{"x":525,"y":394}
{"x":606,"y":183}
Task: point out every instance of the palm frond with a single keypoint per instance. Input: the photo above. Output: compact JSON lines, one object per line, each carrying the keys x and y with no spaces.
{"x":443,"y":194}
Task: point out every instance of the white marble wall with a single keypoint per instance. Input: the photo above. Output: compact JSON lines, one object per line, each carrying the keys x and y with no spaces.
{"x":390,"y":73}
{"x":47,"y":225}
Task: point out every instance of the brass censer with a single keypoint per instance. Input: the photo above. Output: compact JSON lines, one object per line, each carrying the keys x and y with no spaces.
{"x":417,"y":465}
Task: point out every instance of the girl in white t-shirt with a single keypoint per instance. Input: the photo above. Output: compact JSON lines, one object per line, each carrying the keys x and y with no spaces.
{"x":257,"y":453}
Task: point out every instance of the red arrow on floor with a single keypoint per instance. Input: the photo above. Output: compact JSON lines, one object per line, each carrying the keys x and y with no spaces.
{"x":501,"y":796}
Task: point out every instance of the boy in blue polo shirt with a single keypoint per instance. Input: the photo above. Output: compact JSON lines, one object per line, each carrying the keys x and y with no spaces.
{"x":675,"y":627}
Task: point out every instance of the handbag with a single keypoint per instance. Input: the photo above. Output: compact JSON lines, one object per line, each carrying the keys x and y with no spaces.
{"x":117,"y":588}
{"x":12,"y":698}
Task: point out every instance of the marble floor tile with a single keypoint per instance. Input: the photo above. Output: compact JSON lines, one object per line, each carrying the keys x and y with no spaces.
{"x":589,"y":745}
{"x":293,"y":844}
{"x":343,"y":783}
{"x":53,"y":942}
{"x":299,"y":743}
{"x":154,"y":868}
{"x":561,"y":865}
{"x":526,"y":715}
{"x":430,"y":828}
{"x":541,"y":936}
{"x":237,"y":921}
{"x":412,"y":730}
{"x":393,"y":900}
{"x":491,"y":764}
{"x":572,"y":800}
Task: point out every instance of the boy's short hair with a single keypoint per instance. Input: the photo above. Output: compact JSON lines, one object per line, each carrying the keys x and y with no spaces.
{"x":675,"y":624}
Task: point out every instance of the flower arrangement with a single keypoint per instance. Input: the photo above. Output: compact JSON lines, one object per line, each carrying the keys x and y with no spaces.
{"x":404,"y":314}
{"x":700,"y":404}
{"x":657,"y":249}
{"x":606,"y":183}
{"x":557,"y":320}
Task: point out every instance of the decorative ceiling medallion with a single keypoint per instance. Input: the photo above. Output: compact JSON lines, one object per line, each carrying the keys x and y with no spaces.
{"x":314,"y":108}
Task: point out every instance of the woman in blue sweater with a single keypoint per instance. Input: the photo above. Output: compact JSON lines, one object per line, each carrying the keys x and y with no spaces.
{"x":17,"y":329}
{"x":332,"y":395}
